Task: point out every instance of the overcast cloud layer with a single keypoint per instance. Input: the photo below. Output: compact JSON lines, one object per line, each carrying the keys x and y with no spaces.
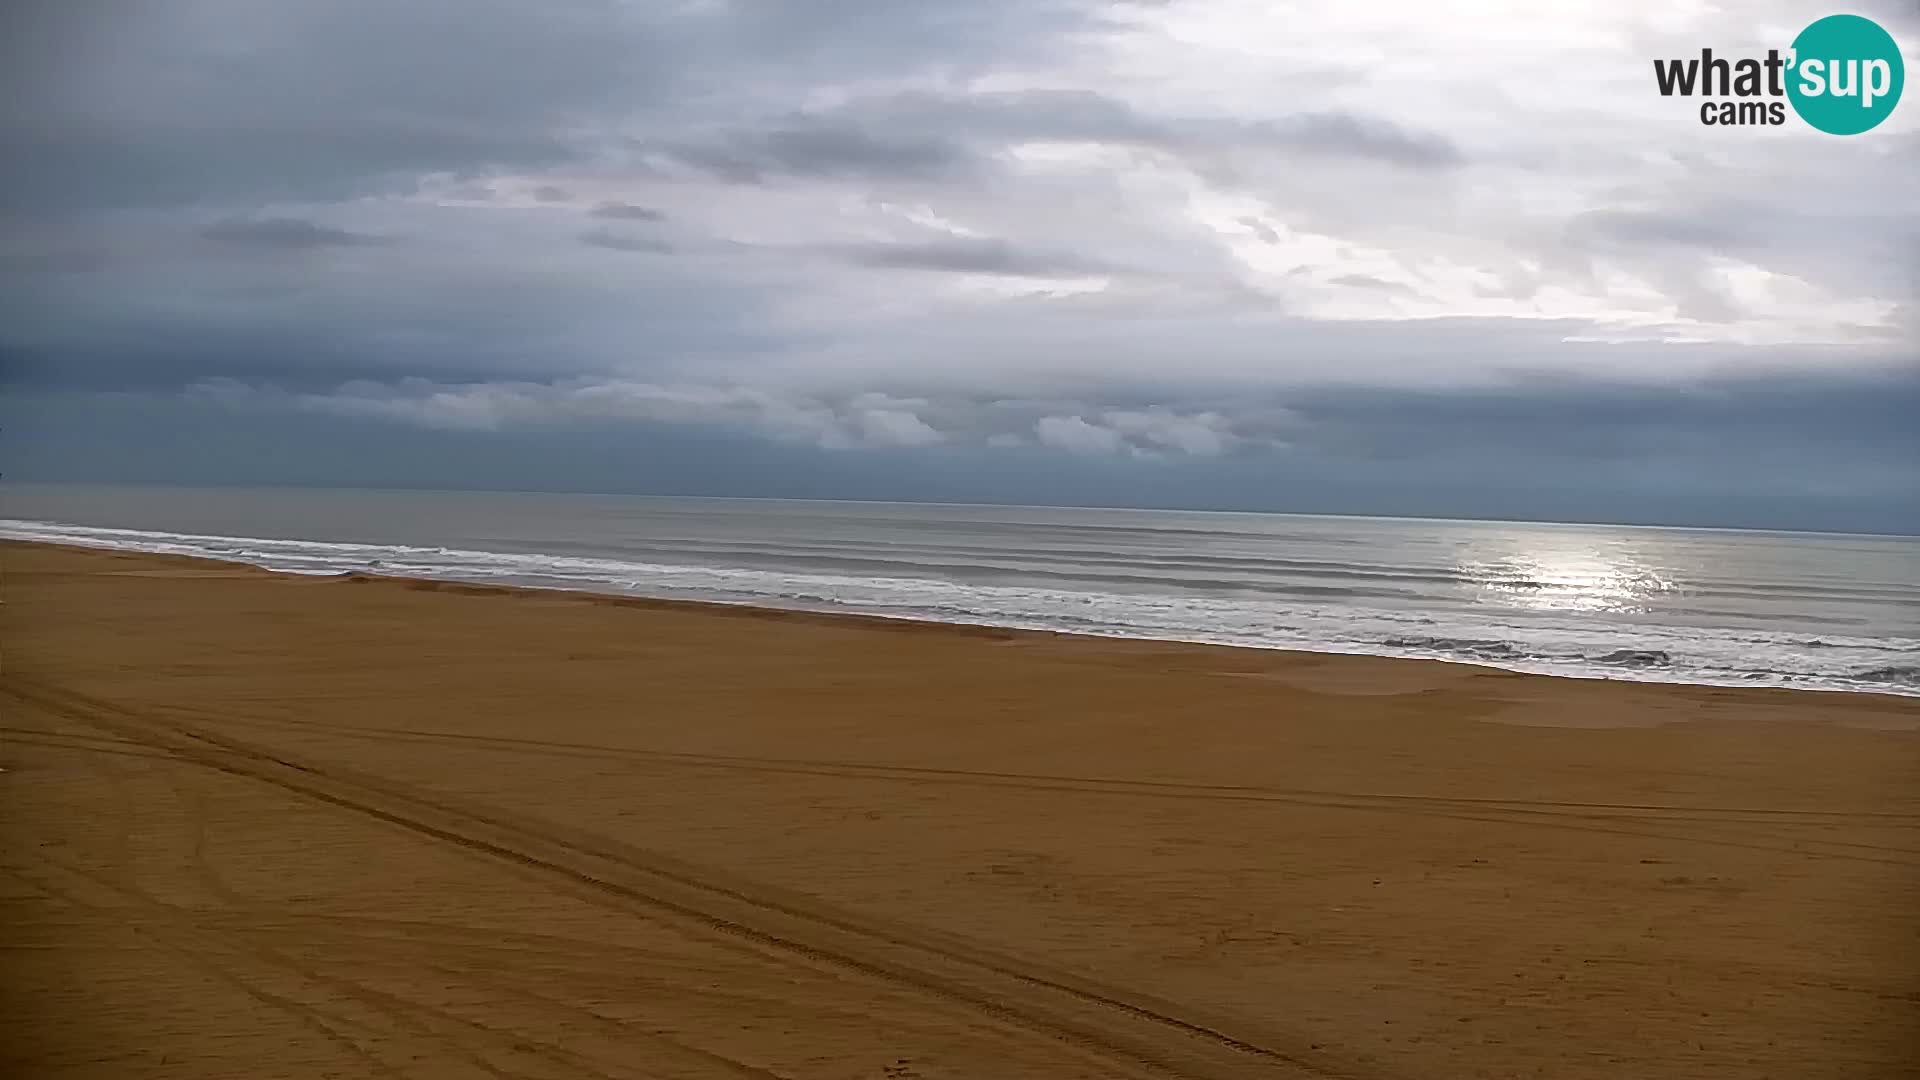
{"x":1444,"y":257}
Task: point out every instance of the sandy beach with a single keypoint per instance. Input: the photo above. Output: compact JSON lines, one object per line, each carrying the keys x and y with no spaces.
{"x":259,"y":825}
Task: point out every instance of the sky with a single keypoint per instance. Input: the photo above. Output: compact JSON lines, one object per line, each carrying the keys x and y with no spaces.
{"x":1451,"y":258}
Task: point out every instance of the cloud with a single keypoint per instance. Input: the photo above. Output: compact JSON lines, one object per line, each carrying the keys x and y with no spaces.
{"x":866,"y":420}
{"x":1076,"y":434}
{"x":218,"y":100}
{"x":1207,"y":434}
{"x":1126,"y":234}
{"x":283,"y":234}
{"x":1797,"y":441}
{"x":818,"y":151}
{"x":829,"y":420}
{"x":1368,"y":281}
{"x":269,"y":100}
{"x":1698,"y":228}
{"x":896,"y":427}
{"x":1261,"y":229}
{"x":613,"y":240}
{"x":994,"y":119}
{"x":1156,"y":431}
{"x":623,"y":211}
{"x":1344,"y":133}
{"x":970,"y":255}
{"x":67,"y":261}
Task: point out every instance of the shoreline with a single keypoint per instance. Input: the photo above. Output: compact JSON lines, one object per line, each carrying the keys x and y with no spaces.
{"x":749,"y":609}
{"x":259,"y":822}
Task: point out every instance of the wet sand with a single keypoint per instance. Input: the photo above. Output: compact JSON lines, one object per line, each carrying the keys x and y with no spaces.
{"x":266,"y":826}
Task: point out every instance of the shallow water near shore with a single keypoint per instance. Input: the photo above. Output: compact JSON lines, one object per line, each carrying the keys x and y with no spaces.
{"x":1710,"y":606}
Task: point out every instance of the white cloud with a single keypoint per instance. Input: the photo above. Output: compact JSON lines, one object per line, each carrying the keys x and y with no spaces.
{"x":1075,"y":434}
{"x":1202,"y":435}
{"x":865,"y":419}
{"x":896,"y":427}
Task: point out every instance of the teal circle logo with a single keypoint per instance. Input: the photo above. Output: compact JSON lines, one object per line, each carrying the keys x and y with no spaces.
{"x":1846,"y":74}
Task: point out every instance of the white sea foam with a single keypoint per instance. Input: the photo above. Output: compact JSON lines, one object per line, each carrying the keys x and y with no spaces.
{"x":1569,"y":642}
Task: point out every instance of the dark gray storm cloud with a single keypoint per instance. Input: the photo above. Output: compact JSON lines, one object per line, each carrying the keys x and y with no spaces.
{"x":1742,"y":452}
{"x":121,"y":103}
{"x":1199,"y":252}
{"x":126,"y":104}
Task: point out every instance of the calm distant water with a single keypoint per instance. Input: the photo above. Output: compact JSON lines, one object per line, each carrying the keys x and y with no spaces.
{"x":1828,"y":611}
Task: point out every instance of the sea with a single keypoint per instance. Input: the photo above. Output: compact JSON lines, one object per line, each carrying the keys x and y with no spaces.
{"x":1724,"y":607}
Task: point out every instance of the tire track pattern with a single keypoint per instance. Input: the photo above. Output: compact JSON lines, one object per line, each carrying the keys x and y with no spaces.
{"x":1613,"y":818}
{"x":1131,"y":1034}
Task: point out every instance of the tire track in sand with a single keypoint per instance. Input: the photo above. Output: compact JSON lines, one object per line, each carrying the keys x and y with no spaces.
{"x":1134,"y":1035}
{"x":1617,"y":819}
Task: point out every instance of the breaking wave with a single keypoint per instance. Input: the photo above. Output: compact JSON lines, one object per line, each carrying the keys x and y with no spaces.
{"x":1321,"y":617}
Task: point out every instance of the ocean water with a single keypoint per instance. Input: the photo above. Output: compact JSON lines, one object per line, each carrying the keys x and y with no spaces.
{"x":1713,"y":606}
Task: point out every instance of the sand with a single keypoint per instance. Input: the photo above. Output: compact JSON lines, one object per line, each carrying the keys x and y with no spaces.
{"x":260,"y":826}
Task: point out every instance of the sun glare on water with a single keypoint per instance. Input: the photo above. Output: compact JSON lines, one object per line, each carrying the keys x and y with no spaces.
{"x":1568,"y":578}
